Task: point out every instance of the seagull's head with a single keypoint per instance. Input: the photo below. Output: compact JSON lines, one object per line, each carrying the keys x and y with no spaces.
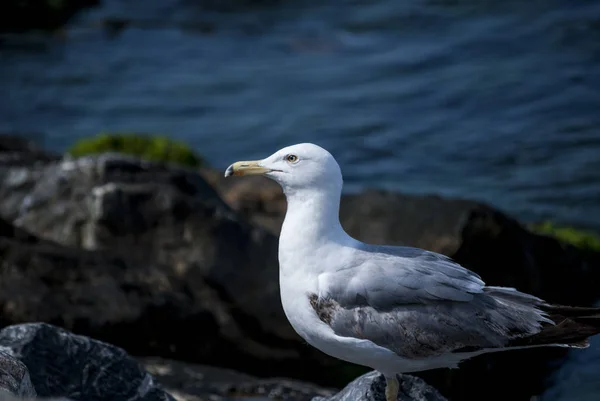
{"x":295,"y":168}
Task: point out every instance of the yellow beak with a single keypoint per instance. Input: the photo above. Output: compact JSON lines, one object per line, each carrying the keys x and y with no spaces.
{"x":245,"y":168}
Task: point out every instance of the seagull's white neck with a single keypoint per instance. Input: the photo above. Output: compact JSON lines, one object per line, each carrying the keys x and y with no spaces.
{"x":311,"y":223}
{"x":312,"y":215}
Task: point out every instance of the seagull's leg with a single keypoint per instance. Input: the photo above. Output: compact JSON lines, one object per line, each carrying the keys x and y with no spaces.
{"x":391,"y":388}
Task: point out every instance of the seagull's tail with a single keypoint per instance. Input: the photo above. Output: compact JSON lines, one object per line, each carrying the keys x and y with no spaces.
{"x":572,"y":327}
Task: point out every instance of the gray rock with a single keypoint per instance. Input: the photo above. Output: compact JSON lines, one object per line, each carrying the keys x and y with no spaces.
{"x":371,"y":387}
{"x":193,"y":382}
{"x":14,"y":376}
{"x":15,"y":150}
{"x":11,"y":397}
{"x":62,"y":364}
{"x":148,"y":257}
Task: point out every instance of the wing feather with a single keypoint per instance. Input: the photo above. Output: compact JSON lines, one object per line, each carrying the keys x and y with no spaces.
{"x":385,"y":280}
{"x":416,"y":303}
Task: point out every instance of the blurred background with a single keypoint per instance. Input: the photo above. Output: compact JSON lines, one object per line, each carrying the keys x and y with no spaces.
{"x":495,"y":102}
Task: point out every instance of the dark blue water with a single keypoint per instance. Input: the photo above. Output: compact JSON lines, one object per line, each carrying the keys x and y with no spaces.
{"x":491,"y":100}
{"x":497,"y":101}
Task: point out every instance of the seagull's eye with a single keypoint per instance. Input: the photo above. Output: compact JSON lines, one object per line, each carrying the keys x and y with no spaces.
{"x":291,"y":158}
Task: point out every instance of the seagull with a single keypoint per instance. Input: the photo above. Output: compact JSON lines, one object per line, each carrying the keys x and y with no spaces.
{"x":395,"y":309}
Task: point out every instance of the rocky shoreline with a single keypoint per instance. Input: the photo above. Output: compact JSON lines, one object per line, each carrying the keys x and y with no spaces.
{"x":41,"y":361}
{"x":178,"y":268}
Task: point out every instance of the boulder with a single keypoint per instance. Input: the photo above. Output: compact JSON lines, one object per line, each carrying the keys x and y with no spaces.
{"x":260,"y":200}
{"x":62,"y":364}
{"x":14,"y":377}
{"x":371,"y":387}
{"x":148,"y":257}
{"x":15,"y":150}
{"x":193,"y":382}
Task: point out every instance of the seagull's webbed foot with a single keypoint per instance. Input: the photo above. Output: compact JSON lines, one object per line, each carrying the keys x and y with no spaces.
{"x":391,"y":388}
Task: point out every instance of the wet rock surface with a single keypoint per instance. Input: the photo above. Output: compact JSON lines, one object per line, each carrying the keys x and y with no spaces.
{"x":14,"y":377}
{"x":62,"y":364}
{"x":371,"y":387}
{"x":191,"y":382}
{"x":17,"y":151}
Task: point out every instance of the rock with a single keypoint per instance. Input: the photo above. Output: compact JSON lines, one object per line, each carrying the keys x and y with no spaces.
{"x":149,"y":258}
{"x":258,"y":199}
{"x":19,"y":15}
{"x":14,"y":377}
{"x":371,"y":387}
{"x":192,"y":382}
{"x":15,"y":150}
{"x":11,"y":397}
{"x":62,"y":364}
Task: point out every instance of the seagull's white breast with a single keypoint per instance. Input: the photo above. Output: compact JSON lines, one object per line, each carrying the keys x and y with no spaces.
{"x":297,"y":282}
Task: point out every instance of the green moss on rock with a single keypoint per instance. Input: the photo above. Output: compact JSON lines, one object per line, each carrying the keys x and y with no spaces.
{"x":579,"y":238}
{"x":148,"y":147}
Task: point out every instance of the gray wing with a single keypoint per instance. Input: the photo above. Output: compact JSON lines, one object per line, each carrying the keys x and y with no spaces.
{"x":384,"y":277}
{"x":419,"y":304}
